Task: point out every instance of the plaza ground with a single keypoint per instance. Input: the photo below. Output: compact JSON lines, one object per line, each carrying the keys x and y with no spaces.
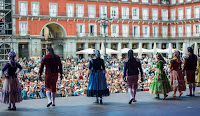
{"x":114,"y":105}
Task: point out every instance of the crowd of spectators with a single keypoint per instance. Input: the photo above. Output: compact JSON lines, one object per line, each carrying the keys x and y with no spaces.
{"x":75,"y":77}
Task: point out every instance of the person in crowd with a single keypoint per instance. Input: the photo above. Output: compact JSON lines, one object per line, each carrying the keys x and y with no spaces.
{"x":11,"y":92}
{"x":97,"y":85}
{"x":132,"y":67}
{"x":53,"y":67}
{"x":160,"y":83}
{"x":176,"y":75}
{"x":190,"y":64}
{"x":198,"y":71}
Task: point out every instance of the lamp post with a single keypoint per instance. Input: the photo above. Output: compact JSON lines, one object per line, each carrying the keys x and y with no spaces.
{"x":104,"y":22}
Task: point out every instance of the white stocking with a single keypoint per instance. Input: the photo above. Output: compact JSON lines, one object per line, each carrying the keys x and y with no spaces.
{"x":53,"y":96}
{"x":48,"y":93}
{"x":130,"y":92}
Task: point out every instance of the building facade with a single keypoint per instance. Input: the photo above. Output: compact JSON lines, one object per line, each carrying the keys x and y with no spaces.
{"x":72,"y":25}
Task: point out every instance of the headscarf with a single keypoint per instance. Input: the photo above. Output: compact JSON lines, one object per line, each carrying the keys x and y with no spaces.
{"x":12,"y":56}
{"x":177,"y":55}
{"x":51,"y":51}
{"x":189,"y":49}
{"x":130,"y":55}
{"x":159,"y":54}
{"x":97,"y":53}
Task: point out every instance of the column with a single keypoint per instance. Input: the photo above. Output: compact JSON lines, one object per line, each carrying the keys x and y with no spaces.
{"x":130,"y":45}
{"x":178,"y":46}
{"x":86,"y":47}
{"x":108,"y":45}
{"x":97,"y":46}
{"x":119,"y":55}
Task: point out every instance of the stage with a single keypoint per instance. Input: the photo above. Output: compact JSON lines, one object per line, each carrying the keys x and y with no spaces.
{"x":114,"y":105}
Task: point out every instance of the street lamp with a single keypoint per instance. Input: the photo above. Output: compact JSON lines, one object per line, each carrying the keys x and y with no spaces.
{"x":104,"y":22}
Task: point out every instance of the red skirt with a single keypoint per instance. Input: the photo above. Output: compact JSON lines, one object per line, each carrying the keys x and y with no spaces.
{"x":190,"y":74}
{"x":132,"y":81}
{"x":177,"y":80}
{"x":50,"y":82}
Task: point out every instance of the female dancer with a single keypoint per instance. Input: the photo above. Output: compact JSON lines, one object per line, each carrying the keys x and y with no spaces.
{"x":176,"y":75}
{"x":160,"y":83}
{"x":198,"y":71}
{"x":11,"y":92}
{"x":132,"y":66}
{"x":97,"y":86}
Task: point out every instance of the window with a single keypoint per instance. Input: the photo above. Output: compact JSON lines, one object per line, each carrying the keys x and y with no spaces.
{"x":23,"y":28}
{"x":188,"y":30}
{"x":70,"y":10}
{"x":114,"y":30}
{"x":135,"y":1}
{"x":125,"y":31}
{"x":125,"y":13}
{"x":155,"y":14}
{"x":103,"y":11}
{"x":180,"y":1}
{"x":188,"y":0}
{"x":114,"y":12}
{"x":173,"y":31}
{"x":155,"y":31}
{"x":145,"y":13}
{"x":124,"y":0}
{"x":53,"y":9}
{"x":180,"y":14}
{"x":81,"y":30}
{"x":23,"y":8}
{"x":92,"y":30}
{"x":196,"y":12}
{"x":164,"y":14}
{"x":145,"y":31}
{"x":173,"y":14}
{"x":164,"y":31}
{"x":91,"y":11}
{"x":102,"y":30}
{"x":196,"y":31}
{"x":180,"y":30}
{"x":135,"y":13}
{"x":188,"y":13}
{"x":80,"y":10}
{"x":136,"y":31}
{"x":173,"y":1}
{"x":154,"y":1}
{"x":1,"y":6}
{"x":35,"y":8}
{"x":145,"y":1}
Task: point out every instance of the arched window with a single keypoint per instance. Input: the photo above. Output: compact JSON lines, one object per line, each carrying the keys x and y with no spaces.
{"x":4,"y":51}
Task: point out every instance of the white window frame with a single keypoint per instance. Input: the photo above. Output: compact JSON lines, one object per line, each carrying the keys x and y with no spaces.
{"x":135,"y":0}
{"x":173,"y":1}
{"x":196,"y":15}
{"x":80,"y":15}
{"x":100,"y":12}
{"x":137,"y":34}
{"x":143,"y":15}
{"x":173,"y":17}
{"x":70,"y":14}
{"x":187,"y":32}
{"x":78,"y":29}
{"x":95,"y":29}
{"x":143,"y":31}
{"x":188,"y":0}
{"x":26,"y":12}
{"x":164,"y":16}
{"x":180,"y":34}
{"x":126,"y":15}
{"x":117,"y":30}
{"x":102,"y":30}
{"x":137,"y":13}
{"x":180,"y":1}
{"x":37,"y":12}
{"x":124,"y":0}
{"x":21,"y":31}
{"x":196,"y":33}
{"x":155,"y":14}
{"x":173,"y":32}
{"x":125,"y":33}
{"x":92,"y":11}
{"x":164,"y":34}
{"x":51,"y":14}
{"x":188,"y":16}
{"x":145,"y":1}
{"x":156,"y":31}
{"x":180,"y":16}
{"x":154,"y":1}
{"x":116,"y":10}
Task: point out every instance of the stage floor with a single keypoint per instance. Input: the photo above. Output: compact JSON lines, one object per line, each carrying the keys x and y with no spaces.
{"x":114,"y":105}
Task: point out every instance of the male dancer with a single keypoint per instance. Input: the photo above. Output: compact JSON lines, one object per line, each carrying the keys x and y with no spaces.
{"x":190,"y":64}
{"x":53,"y":67}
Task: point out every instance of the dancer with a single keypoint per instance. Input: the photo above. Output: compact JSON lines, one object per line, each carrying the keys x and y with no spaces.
{"x":190,"y":64}
{"x":132,"y":67}
{"x":176,"y":75}
{"x":53,"y":67}
{"x":198,"y":71}
{"x":11,"y":92}
{"x":97,"y":86}
{"x":160,"y":83}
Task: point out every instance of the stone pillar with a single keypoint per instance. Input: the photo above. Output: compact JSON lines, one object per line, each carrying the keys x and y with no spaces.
{"x":35,"y":48}
{"x":178,"y":46}
{"x":86,"y":47}
{"x":130,"y":45}
{"x":159,"y":45}
{"x":108,"y":45}
{"x":149,"y":46}
{"x":97,"y":46}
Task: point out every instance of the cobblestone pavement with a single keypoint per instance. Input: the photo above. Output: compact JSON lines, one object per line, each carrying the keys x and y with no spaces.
{"x":114,"y":105}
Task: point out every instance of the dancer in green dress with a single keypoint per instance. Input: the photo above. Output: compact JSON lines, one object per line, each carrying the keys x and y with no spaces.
{"x":160,"y":83}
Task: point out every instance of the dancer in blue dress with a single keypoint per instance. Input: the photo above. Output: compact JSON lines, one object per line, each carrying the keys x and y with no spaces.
{"x":97,"y":86}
